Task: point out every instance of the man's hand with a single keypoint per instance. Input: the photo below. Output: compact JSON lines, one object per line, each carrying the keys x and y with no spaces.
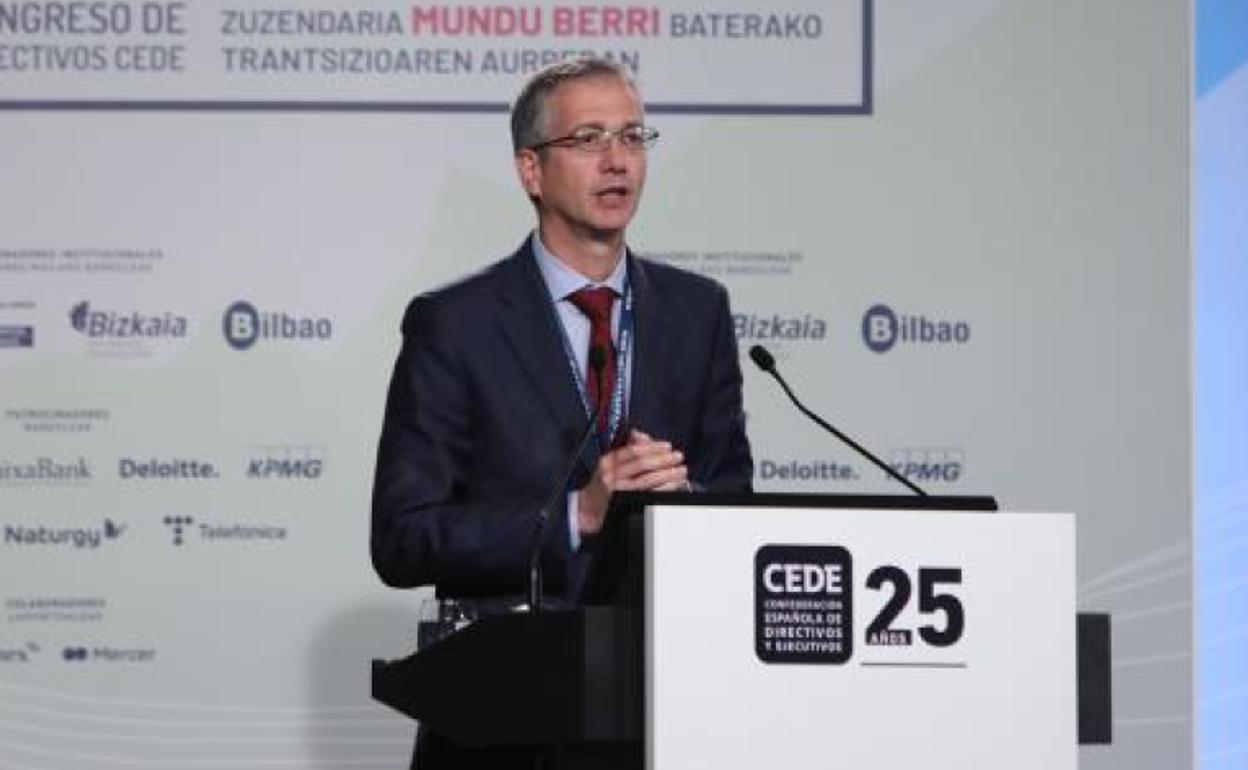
{"x":642,"y":464}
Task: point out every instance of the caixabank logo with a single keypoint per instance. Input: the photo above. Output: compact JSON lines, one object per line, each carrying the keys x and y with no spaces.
{"x":884,"y":329}
{"x":244,"y":325}
{"x":45,"y":470}
{"x":67,"y":538}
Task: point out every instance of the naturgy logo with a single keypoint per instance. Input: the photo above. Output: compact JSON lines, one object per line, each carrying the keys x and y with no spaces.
{"x":78,"y":538}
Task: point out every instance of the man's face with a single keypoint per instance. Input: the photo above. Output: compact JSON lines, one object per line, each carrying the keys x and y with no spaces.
{"x":585,"y":195}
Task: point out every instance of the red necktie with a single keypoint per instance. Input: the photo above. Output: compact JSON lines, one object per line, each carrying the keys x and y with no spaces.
{"x":596,"y":305}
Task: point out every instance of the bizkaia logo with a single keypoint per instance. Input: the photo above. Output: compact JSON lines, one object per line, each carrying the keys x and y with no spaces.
{"x":44,"y":471}
{"x":776,"y":327}
{"x":298,"y":462}
{"x":932,"y":464}
{"x":75,"y":538}
{"x":17,"y":336}
{"x":882,"y":329}
{"x":243,"y":326}
{"x":114,"y":325}
{"x":166,"y":469}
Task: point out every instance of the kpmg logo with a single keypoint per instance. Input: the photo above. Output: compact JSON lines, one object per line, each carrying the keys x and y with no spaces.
{"x":112,"y":325}
{"x":930,"y":464}
{"x":243,"y":326}
{"x":297,"y":462}
{"x":776,"y":327}
{"x":75,"y":538}
{"x":17,"y":336}
{"x":882,"y":329}
{"x":44,"y":471}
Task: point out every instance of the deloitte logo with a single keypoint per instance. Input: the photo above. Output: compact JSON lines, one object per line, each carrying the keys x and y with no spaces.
{"x":243,"y":325}
{"x":882,"y":329}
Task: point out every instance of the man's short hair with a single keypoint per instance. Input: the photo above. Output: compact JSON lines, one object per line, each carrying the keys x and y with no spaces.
{"x":529,"y":115}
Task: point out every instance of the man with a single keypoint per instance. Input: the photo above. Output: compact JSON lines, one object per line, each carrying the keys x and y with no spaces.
{"x":496,"y":380}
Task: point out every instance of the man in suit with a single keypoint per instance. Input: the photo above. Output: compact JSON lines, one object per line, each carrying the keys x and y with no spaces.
{"x":496,"y":379}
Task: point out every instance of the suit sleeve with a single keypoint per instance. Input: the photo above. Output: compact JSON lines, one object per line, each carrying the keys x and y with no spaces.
{"x":723,"y":462}
{"x":429,"y":524}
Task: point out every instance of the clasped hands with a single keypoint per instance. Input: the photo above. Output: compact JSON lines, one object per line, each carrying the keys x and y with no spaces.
{"x":642,"y":464}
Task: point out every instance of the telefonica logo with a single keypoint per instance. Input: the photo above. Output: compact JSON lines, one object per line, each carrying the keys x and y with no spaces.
{"x":882,"y":329}
{"x":111,"y":324}
{"x":243,"y":326}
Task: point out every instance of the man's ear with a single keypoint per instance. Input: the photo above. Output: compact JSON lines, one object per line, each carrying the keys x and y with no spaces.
{"x":529,"y":169}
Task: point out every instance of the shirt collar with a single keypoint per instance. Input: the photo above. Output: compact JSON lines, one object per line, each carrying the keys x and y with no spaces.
{"x":563,"y":281}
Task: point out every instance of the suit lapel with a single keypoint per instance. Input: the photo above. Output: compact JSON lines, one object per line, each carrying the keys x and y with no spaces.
{"x":528,"y":323}
{"x":649,"y":350}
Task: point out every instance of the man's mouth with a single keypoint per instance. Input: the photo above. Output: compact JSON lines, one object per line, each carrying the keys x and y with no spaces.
{"x":613,"y":195}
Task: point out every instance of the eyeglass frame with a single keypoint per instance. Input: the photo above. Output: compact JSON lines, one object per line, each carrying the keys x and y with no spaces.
{"x":581,"y":139}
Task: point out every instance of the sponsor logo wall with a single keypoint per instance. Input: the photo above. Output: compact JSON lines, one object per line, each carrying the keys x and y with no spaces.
{"x":216,"y":213}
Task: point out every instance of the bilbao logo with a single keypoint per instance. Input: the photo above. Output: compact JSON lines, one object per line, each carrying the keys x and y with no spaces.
{"x":74,"y":538}
{"x":130,"y":324}
{"x":883,"y":329}
{"x":17,"y":336}
{"x":751,"y":327}
{"x":243,"y":326}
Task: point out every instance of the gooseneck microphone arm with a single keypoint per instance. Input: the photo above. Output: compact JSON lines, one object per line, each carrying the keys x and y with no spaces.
{"x":597,"y":360}
{"x":764,"y":361}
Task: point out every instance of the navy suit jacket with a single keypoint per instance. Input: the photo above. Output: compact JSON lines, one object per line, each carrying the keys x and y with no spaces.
{"x":483,"y":413}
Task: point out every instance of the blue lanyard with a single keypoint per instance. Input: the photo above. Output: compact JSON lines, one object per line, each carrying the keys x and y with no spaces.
{"x":623,"y":344}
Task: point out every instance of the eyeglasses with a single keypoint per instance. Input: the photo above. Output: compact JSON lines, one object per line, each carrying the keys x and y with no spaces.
{"x":595,"y":139}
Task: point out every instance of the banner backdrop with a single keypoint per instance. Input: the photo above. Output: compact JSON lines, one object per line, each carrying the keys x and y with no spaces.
{"x":962,"y":228}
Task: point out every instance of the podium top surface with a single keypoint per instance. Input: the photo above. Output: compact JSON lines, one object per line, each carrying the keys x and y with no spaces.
{"x":637,"y":501}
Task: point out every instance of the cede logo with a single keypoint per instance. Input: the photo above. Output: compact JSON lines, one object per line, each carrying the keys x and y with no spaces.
{"x":243,"y":326}
{"x":882,"y":329}
{"x":803,"y":604}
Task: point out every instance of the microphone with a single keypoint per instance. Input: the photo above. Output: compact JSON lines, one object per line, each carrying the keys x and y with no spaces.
{"x":763,"y":360}
{"x":597,"y":361}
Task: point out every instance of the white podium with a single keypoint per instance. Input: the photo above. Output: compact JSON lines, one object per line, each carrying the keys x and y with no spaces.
{"x":793,"y":637}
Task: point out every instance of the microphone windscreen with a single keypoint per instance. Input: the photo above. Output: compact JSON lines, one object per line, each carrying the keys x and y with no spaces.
{"x":762,"y":359}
